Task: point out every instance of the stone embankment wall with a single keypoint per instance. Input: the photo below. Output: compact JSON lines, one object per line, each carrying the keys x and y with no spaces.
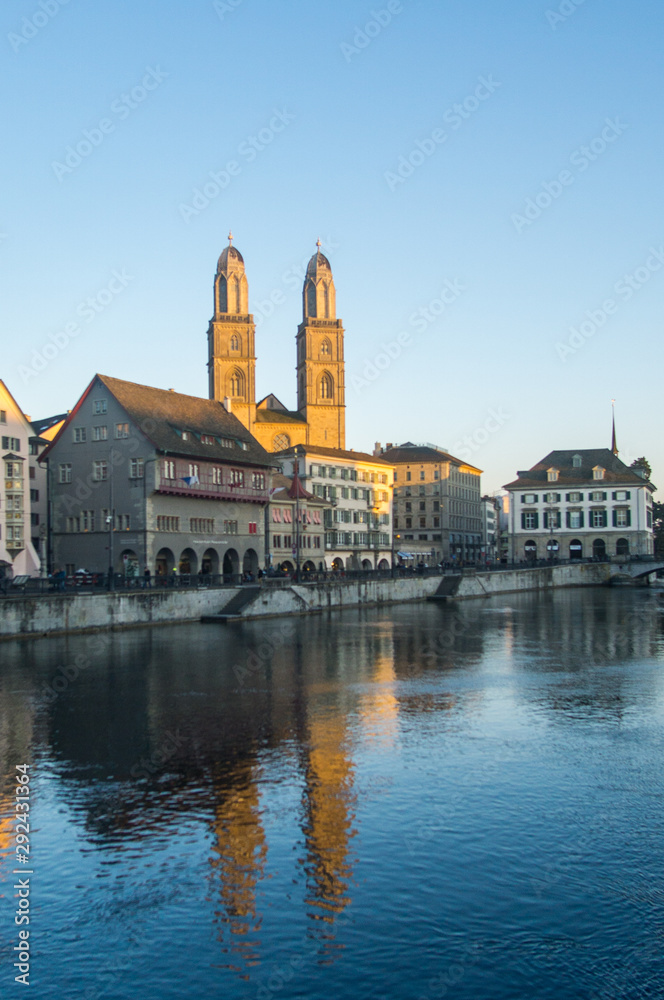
{"x":80,"y":612}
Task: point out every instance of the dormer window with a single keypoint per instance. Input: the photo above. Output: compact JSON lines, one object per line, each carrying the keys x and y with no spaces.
{"x":552,"y":475}
{"x":576,"y":461}
{"x":598,"y":472}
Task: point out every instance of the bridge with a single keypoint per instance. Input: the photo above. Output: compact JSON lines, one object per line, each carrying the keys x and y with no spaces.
{"x":633,"y":570}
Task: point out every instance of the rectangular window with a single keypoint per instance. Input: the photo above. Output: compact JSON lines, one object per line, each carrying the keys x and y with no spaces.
{"x":423,"y":522}
{"x":574,"y":497}
{"x":598,"y":519}
{"x":207,"y":439}
{"x":258,"y":480}
{"x":193,"y":470}
{"x":436,"y":522}
{"x":552,"y":519}
{"x":276,"y":541}
{"x":136,"y":468}
{"x":72,"y":524}
{"x":574,"y":518}
{"x":408,"y":477}
{"x":99,"y":406}
{"x":99,"y":471}
{"x":621,"y":517}
{"x":422,"y":474}
{"x":201,"y":525}
{"x":165,"y":523}
{"x":649,"y":518}
{"x":230,"y":527}
{"x":529,"y":498}
{"x":32,"y":473}
{"x":3,"y":416}
{"x":100,"y":433}
{"x":409,"y":522}
{"x":423,"y":505}
{"x":237,"y":477}
{"x":87,"y":520}
{"x":34,"y":496}
{"x":409,"y":505}
{"x":597,"y":496}
{"x":621,"y":495}
{"x":122,"y":430}
{"x":122,"y":522}
{"x":79,"y":435}
{"x":64,"y":472}
{"x":552,"y":497}
{"x":34,"y":520}
{"x":253,"y":528}
{"x":169,"y":469}
{"x":598,"y":473}
{"x":530,"y":521}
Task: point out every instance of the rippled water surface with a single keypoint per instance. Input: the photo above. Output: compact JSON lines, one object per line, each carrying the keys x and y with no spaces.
{"x":418,"y":802}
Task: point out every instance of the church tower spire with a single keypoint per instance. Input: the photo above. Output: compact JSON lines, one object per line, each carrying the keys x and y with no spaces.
{"x":231,"y":338}
{"x":320,"y":357}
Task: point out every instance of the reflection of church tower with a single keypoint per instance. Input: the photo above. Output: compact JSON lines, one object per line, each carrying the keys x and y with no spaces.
{"x":240,"y":852}
{"x":329,"y":801}
{"x":320,"y":358}
{"x":231,"y":350}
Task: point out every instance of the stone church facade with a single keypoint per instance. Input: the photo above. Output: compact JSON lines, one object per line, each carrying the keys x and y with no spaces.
{"x":320,"y":416}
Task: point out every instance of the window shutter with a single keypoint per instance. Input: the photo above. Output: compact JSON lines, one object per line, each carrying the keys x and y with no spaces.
{"x":614,"y":496}
{"x":629,"y":518}
{"x":567,"y":498}
{"x":604,"y":517}
{"x":615,"y":515}
{"x":568,"y":516}
{"x":604,"y":495}
{"x":523,"y":521}
{"x":581,"y":520}
{"x":536,"y":521}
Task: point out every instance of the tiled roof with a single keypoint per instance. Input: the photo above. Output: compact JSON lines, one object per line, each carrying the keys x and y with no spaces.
{"x":568,"y":475}
{"x":354,"y":456}
{"x":414,"y":454}
{"x":160,"y":414}
{"x":279,"y":417}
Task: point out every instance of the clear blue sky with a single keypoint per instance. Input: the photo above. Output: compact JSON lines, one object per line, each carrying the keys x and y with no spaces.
{"x":352,"y":109}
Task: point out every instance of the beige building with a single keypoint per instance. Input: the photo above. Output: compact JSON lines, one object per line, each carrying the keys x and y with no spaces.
{"x":320,"y":415}
{"x":18,"y":556}
{"x":437,"y":508}
{"x":358,"y":487}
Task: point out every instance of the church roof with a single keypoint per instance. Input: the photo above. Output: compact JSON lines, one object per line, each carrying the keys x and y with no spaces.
{"x":230,"y":258}
{"x":571,"y":475}
{"x":279,"y":417}
{"x":318,"y":262}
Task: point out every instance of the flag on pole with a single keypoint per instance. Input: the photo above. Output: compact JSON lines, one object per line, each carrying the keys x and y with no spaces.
{"x":190,"y":480}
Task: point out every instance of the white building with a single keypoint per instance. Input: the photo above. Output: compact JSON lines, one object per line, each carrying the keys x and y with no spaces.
{"x":359,"y":525}
{"x":17,"y":553}
{"x":580,"y":504}
{"x":490,"y":507}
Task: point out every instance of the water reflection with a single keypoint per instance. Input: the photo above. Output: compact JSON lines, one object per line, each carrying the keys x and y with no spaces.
{"x":243,"y":758}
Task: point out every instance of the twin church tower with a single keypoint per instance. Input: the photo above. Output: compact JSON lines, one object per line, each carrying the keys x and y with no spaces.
{"x":320,"y":416}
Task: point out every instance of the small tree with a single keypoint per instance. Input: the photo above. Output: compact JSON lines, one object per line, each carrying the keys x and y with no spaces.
{"x":642,"y":463}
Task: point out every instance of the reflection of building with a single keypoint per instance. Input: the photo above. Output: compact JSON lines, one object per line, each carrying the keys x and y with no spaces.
{"x":17,"y":553}
{"x":320,"y":415}
{"x":358,"y":529}
{"x":578,"y":504}
{"x":329,"y":800}
{"x":240,"y":852}
{"x":142,"y":476}
{"x":490,"y":509}
{"x":436,"y":504}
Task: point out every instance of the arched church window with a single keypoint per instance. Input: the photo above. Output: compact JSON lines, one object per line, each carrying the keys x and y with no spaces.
{"x":311,"y":299}
{"x":235,"y":342}
{"x":325,"y":349}
{"x":326,"y":386}
{"x":223,"y":294}
{"x":237,"y":384}
{"x":326,"y":301}
{"x":281,"y":442}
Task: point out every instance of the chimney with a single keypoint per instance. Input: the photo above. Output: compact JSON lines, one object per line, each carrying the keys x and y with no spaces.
{"x":171,"y":390}
{"x":227,"y":404}
{"x":388,"y":446}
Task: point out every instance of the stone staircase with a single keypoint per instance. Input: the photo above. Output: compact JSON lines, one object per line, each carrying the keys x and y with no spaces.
{"x":233,"y":609}
{"x":447,"y":588}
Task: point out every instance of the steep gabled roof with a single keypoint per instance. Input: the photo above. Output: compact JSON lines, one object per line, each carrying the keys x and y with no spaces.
{"x":162,"y":416}
{"x":354,"y":456}
{"x":570,"y":475}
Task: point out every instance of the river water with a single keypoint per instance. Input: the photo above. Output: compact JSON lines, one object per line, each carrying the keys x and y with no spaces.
{"x":421,"y":801}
